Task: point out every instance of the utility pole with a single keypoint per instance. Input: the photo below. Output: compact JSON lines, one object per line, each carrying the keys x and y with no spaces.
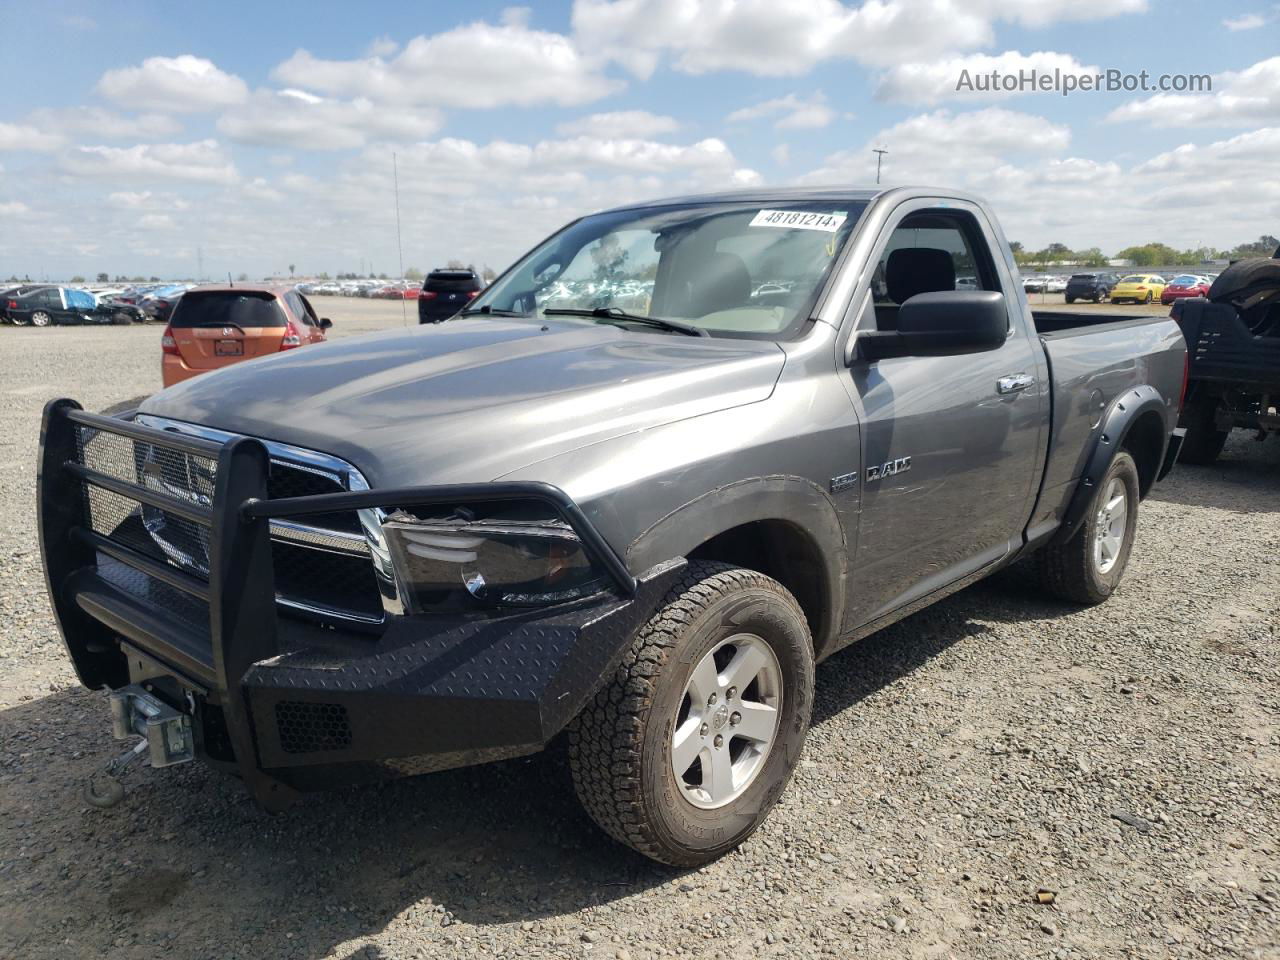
{"x":879,"y":152}
{"x":199,"y":264}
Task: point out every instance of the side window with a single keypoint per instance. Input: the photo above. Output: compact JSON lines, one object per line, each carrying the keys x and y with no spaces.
{"x":298,"y":309}
{"x":311,"y":312}
{"x":930,"y":251}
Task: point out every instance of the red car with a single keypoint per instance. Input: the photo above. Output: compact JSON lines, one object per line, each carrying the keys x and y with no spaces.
{"x":1184,"y":286}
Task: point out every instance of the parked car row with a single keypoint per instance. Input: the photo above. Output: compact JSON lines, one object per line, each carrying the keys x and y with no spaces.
{"x":1129,"y":288}
{"x":31,"y":305}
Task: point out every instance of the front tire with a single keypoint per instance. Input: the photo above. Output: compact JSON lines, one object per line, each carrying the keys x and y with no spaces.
{"x":1070,"y":299}
{"x":686,"y":749}
{"x":1087,"y":568}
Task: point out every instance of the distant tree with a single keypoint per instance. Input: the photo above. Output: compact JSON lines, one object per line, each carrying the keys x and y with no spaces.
{"x":242,"y":276}
{"x":1151,"y":255}
{"x":322,"y":276}
{"x":413,"y":273}
{"x":1015,"y":246}
{"x":1265,"y":246}
{"x":77,"y":279}
{"x":138,"y":279}
{"x":1057,"y":251}
{"x":1093,"y":257}
{"x":381,"y":276}
{"x":104,"y":278}
{"x":154,"y":280}
{"x":456,"y":265}
{"x":487,"y":274}
{"x":291,"y":269}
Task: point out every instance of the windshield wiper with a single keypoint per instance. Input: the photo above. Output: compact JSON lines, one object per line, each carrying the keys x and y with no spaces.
{"x":489,"y":311}
{"x":613,"y":313}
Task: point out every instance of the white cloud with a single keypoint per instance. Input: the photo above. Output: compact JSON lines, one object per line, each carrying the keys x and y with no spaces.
{"x":940,"y":146}
{"x":14,"y":136}
{"x":1240,"y":98}
{"x":200,"y":162}
{"x":792,"y":112}
{"x":14,"y":208}
{"x":183,"y":84}
{"x":1248,"y":21}
{"x":782,"y":38}
{"x":102,"y":123}
{"x":298,"y":119}
{"x":477,"y":65}
{"x":620,"y":123}
{"x":934,"y":81}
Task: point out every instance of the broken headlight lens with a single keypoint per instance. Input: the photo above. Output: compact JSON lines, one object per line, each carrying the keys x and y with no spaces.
{"x":458,"y":565}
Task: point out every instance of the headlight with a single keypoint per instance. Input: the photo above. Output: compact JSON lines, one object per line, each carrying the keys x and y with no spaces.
{"x":458,"y":565}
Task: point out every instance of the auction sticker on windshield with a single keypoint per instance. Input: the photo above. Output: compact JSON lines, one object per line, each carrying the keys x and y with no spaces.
{"x":798,"y":220}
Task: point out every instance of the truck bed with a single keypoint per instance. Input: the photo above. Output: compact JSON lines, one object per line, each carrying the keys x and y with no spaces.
{"x":1064,"y":323}
{"x":1093,"y":360}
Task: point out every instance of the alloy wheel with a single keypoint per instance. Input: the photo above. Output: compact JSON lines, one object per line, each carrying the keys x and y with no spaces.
{"x":1109,"y":535}
{"x":727,"y":721}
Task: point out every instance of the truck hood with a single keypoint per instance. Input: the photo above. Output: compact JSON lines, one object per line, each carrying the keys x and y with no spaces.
{"x":471,"y":400}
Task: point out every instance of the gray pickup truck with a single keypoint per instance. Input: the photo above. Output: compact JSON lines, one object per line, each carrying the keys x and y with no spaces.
{"x":672,"y":458}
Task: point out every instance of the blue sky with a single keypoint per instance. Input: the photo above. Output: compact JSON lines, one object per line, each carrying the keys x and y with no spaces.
{"x":259,"y":135}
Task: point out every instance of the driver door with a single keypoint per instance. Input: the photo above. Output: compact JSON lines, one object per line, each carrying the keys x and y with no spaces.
{"x":950,"y":445}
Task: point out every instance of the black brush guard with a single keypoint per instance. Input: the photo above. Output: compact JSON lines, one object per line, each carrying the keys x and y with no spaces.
{"x":428,"y":693}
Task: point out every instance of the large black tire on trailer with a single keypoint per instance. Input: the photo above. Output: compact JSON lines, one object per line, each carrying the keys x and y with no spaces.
{"x":1088,"y":567}
{"x":1244,"y":278}
{"x":695,"y":691}
{"x":1204,"y":440}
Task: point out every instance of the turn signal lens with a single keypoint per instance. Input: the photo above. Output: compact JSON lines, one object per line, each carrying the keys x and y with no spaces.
{"x":167,"y":343}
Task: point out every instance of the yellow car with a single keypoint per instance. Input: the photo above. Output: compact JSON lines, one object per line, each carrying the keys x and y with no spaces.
{"x":1138,"y":287}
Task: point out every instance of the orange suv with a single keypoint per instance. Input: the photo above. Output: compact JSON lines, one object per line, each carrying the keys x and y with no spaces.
{"x":214,"y":327}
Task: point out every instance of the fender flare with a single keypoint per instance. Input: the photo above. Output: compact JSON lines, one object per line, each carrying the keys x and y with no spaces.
{"x":1110,"y":435}
{"x":796,"y":501}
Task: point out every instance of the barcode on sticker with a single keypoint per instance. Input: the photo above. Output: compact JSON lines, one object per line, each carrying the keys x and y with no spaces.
{"x":798,"y":220}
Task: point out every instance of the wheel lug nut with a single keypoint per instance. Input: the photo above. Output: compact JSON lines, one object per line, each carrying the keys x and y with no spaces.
{"x":735,"y":718}
{"x":719,"y":741}
{"x":711,"y":700}
{"x":705,"y":730}
{"x":731,"y":693}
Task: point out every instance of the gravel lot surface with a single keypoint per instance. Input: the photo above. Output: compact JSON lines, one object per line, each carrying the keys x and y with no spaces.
{"x":1124,"y":758}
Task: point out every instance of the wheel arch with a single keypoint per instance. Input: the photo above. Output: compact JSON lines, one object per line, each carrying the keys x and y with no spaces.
{"x":784,"y":527}
{"x":1135,"y":423}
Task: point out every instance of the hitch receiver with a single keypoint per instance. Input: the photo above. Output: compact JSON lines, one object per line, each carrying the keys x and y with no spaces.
{"x":136,"y":713}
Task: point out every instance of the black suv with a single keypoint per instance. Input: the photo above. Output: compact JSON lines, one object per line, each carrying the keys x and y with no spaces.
{"x":445,"y":292}
{"x":1089,"y":286}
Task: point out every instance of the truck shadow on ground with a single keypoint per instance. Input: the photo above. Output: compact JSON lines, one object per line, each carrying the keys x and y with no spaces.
{"x":499,"y":844}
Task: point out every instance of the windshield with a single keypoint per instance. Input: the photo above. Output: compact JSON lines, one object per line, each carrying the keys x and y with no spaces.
{"x":732,"y":269}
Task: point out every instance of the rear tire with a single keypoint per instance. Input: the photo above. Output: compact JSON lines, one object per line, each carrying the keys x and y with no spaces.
{"x":121,"y":319}
{"x":40,"y":319}
{"x":1087,"y":568}
{"x":1204,"y":441}
{"x":1148,"y":300}
{"x":652,"y":716}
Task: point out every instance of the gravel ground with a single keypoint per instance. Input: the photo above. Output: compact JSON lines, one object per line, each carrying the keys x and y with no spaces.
{"x":1125,"y":758}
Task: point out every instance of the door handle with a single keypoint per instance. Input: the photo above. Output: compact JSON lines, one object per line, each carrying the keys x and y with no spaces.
{"x":1014,"y":383}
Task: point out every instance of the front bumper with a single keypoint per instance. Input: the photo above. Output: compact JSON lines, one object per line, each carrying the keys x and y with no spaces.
{"x":289,"y":704}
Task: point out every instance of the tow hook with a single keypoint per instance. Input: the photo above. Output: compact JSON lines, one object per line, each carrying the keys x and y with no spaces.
{"x":166,"y":740}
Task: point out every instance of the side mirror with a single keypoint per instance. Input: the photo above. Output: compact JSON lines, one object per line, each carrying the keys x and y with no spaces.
{"x":325,"y":323}
{"x":943,"y":324}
